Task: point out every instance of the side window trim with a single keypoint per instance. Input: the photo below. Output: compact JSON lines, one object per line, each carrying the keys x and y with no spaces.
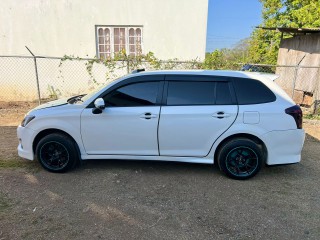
{"x":215,"y":93}
{"x":232,"y":92}
{"x":165,"y":92}
{"x":160,"y":93}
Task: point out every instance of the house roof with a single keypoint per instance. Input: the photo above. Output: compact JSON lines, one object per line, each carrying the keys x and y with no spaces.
{"x":292,"y":30}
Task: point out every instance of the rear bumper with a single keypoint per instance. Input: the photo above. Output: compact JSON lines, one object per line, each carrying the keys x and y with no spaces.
{"x":284,"y":147}
{"x":25,"y":137}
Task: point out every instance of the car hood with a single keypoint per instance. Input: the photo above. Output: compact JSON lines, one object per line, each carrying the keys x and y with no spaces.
{"x":55,"y":103}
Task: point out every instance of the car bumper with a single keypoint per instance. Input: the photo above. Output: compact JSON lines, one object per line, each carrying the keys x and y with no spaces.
{"x":284,"y":147}
{"x":25,"y":137}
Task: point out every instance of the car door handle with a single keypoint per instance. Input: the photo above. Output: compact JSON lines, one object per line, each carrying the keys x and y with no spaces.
{"x":220,"y":115}
{"x":148,"y":115}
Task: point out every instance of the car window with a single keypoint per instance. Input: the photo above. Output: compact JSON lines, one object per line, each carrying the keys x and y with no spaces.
{"x":136,"y":94}
{"x":190,"y":93}
{"x":94,"y":91}
{"x":198,"y":93}
{"x":223,"y":95}
{"x":250,"y":91}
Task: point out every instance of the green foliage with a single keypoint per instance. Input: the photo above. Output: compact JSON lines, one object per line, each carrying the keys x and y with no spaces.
{"x":300,"y":13}
{"x":214,"y":60}
{"x":154,"y":62}
{"x":53,"y":93}
{"x":122,"y":60}
{"x":264,"y":44}
{"x":227,"y":58}
{"x":312,"y":116}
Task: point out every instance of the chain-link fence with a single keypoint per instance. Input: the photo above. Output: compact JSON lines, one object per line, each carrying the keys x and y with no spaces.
{"x":26,"y":78}
{"x":302,"y":83}
{"x":41,"y":78}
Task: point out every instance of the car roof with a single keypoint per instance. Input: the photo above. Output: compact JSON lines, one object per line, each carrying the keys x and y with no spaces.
{"x":222,"y":73}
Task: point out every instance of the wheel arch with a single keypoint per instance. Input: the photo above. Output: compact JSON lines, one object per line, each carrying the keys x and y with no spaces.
{"x":48,"y":131}
{"x":252,"y":137}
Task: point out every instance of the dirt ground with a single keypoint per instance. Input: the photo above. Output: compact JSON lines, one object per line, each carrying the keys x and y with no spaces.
{"x":155,"y":200}
{"x":12,"y":113}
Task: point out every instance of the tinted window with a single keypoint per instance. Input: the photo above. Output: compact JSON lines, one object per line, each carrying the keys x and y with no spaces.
{"x":223,"y":95}
{"x":190,"y":93}
{"x":136,"y":94}
{"x":251,"y":91}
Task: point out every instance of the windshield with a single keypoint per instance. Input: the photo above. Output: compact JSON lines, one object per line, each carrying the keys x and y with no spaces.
{"x":94,"y":91}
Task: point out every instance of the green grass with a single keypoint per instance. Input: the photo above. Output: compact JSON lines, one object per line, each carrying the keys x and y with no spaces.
{"x":4,"y":203}
{"x":312,"y":116}
{"x":13,"y":164}
{"x":30,"y":165}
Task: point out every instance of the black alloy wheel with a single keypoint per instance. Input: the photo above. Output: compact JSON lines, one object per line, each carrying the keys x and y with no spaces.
{"x":240,"y":158}
{"x":57,"y":153}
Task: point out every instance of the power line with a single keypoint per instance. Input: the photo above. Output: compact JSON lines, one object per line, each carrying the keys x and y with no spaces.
{"x":224,"y":37}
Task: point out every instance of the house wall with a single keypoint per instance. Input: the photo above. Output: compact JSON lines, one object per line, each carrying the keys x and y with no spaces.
{"x":302,"y":51}
{"x":171,"y":28}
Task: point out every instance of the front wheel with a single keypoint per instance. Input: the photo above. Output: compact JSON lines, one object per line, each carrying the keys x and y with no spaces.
{"x":240,"y":158}
{"x":57,"y":153}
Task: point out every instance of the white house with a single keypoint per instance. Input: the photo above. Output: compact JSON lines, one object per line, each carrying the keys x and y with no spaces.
{"x":88,"y":28}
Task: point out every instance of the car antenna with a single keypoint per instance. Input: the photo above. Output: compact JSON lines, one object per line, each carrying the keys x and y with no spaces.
{"x":138,"y":70}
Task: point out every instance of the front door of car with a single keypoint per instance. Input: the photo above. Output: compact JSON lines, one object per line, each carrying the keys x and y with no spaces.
{"x":128,"y":125}
{"x":197,"y":111}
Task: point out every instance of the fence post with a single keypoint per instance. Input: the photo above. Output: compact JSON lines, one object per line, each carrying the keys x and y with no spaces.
{"x":316,"y":94}
{"x":128,"y":65}
{"x":37,"y":77}
{"x":296,"y":68}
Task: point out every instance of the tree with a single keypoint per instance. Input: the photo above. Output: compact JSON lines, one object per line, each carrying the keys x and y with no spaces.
{"x":228,"y":58}
{"x":264,"y":44}
{"x":214,"y":60}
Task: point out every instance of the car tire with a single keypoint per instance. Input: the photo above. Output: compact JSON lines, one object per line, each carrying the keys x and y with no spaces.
{"x":57,"y":153}
{"x":240,"y":158}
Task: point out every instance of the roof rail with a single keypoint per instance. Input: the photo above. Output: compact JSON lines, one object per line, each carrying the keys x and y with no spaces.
{"x":138,"y":70}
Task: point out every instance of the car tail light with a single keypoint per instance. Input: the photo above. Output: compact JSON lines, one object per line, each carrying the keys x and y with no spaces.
{"x":296,"y":113}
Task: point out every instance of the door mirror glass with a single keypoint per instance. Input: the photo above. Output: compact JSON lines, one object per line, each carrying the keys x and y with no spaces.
{"x":99,"y":104}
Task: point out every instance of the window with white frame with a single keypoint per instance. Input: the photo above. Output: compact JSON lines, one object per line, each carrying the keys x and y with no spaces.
{"x":113,"y":39}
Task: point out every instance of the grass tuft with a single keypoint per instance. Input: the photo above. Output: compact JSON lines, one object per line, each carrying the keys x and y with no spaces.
{"x":312,"y":116}
{"x":4,"y":203}
{"x":30,"y":165}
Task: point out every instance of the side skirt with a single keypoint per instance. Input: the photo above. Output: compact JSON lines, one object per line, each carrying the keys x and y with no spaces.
{"x":149,"y":158}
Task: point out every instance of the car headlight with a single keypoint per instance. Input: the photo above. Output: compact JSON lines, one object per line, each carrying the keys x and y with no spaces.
{"x":26,"y":120}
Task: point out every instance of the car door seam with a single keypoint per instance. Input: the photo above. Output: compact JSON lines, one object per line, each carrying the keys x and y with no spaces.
{"x":224,"y":131}
{"x":84,"y":147}
{"x":158,"y":130}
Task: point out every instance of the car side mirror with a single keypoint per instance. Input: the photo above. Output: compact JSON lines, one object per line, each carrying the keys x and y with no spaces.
{"x":99,"y":106}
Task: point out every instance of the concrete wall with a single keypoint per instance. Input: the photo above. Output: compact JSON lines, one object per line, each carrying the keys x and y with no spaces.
{"x":56,"y":79}
{"x":171,"y":28}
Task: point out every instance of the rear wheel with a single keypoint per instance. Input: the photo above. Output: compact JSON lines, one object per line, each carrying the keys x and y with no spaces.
{"x":240,"y":158}
{"x":57,"y":153}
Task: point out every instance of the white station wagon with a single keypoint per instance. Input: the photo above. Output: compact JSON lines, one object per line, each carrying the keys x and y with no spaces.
{"x":239,"y":120}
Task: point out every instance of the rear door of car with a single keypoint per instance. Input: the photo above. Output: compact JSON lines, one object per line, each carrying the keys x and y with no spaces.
{"x":196,"y":111}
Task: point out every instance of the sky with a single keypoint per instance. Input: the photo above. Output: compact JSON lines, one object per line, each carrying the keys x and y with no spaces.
{"x":229,"y":21}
